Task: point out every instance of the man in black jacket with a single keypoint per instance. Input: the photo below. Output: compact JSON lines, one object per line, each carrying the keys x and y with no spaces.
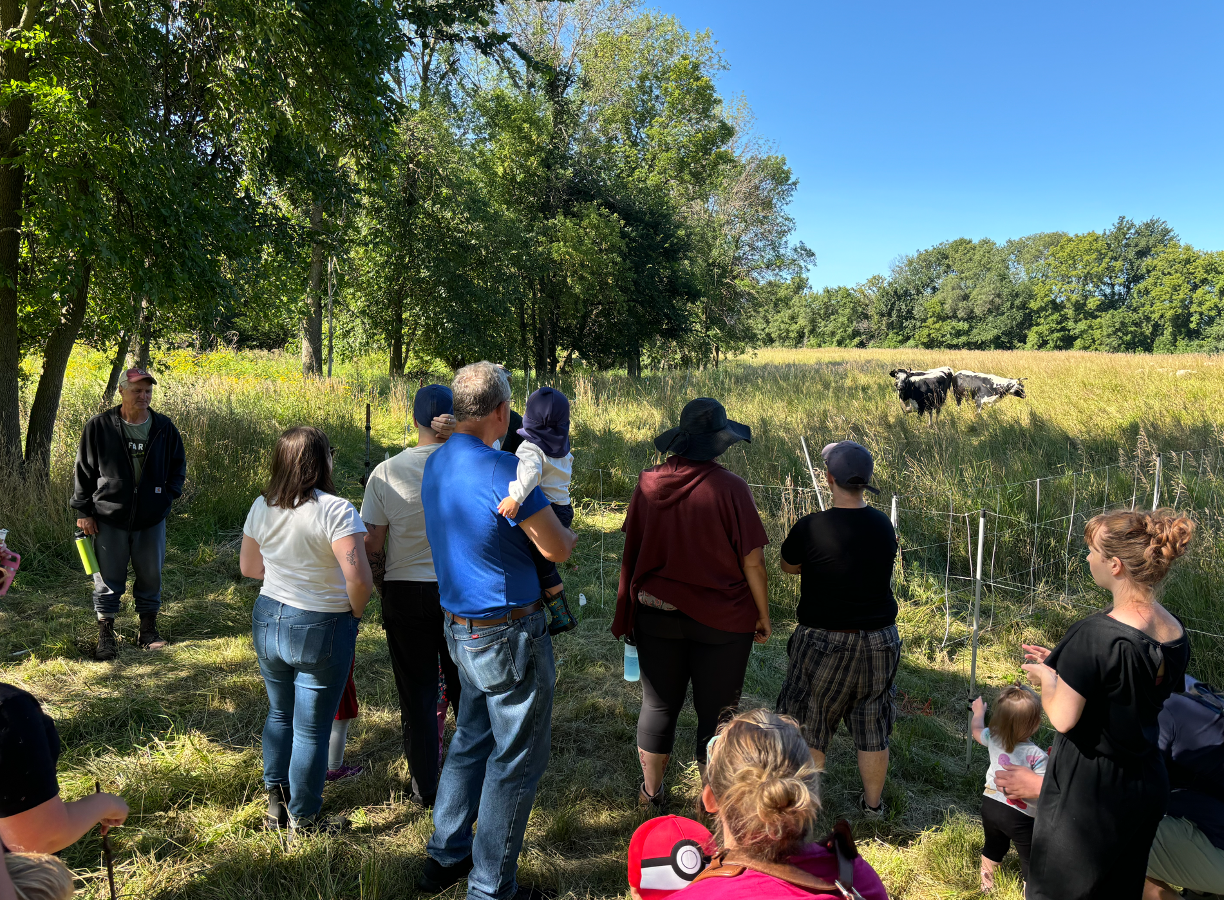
{"x":129,"y":469}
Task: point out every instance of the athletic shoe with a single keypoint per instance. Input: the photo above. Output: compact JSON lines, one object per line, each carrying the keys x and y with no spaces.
{"x":436,"y":878}
{"x":871,"y":812}
{"x":344,"y":772}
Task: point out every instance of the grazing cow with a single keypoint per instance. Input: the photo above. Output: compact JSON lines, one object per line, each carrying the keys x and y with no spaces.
{"x":984,"y":389}
{"x":923,"y":392}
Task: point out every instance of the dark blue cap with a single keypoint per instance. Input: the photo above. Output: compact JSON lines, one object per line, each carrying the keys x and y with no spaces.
{"x":546,"y":422}
{"x":431,"y":401}
{"x":850,"y":464}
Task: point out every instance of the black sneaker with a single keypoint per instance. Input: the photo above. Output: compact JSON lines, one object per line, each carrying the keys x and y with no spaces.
{"x":319,"y":825}
{"x":871,"y":812}
{"x":436,"y":878}
{"x":108,"y":647}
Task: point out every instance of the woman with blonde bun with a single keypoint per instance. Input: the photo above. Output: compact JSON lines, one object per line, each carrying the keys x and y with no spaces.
{"x":763,"y":789}
{"x":1102,"y":687}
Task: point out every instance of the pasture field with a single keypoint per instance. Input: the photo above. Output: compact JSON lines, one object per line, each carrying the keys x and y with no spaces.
{"x":177,"y":732}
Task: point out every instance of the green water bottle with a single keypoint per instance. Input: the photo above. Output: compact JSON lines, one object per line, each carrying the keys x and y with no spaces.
{"x":85,"y":548}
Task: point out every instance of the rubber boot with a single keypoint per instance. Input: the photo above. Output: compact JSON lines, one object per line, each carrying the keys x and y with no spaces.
{"x":560,"y":619}
{"x":148,"y":632}
{"x":278,"y":808}
{"x":108,"y":647}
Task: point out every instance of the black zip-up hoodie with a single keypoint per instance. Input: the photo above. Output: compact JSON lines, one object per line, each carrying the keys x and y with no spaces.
{"x":104,"y":483}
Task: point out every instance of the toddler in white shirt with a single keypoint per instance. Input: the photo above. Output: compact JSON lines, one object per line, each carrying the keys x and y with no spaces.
{"x":1016,"y":718}
{"x":544,"y":460}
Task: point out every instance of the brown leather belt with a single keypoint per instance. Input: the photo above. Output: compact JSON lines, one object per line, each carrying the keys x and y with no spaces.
{"x":515,"y":614}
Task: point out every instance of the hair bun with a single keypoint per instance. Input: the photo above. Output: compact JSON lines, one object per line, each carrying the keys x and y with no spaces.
{"x":1169,"y":535}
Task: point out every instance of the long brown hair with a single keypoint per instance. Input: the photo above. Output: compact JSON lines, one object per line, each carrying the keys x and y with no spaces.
{"x":301,"y":463}
{"x":1147,"y":543}
{"x":765,"y":783}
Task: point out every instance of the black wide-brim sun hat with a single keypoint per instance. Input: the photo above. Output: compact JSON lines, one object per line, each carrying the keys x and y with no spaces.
{"x":704,"y":432}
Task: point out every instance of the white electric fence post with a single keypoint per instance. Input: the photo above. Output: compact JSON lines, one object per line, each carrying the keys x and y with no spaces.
{"x":894,"y":512}
{"x":1156,"y":491}
{"x":977,"y":615}
{"x":811,"y":472}
{"x":602,"y":535}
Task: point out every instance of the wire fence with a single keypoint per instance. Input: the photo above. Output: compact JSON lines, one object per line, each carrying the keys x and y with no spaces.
{"x":998,"y":554}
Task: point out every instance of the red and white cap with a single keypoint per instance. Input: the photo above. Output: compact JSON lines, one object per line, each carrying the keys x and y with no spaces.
{"x":131,"y":376}
{"x":666,"y":854}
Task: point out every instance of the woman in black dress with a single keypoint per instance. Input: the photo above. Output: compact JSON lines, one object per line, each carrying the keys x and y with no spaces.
{"x":1105,"y":789}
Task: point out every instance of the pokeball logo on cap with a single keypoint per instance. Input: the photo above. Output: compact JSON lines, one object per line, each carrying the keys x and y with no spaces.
{"x":665,"y":855}
{"x":671,"y":873}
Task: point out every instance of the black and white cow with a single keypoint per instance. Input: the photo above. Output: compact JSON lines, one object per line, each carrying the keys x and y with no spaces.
{"x":984,"y":389}
{"x":923,"y":391}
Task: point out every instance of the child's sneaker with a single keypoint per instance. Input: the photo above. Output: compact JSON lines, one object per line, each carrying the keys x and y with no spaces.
{"x":344,"y":772}
{"x":560,"y":619}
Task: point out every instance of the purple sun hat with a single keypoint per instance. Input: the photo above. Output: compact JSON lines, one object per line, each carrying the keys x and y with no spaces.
{"x":546,"y":422}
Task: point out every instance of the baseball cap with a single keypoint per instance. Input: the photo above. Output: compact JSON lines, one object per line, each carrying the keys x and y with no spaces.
{"x":432,"y":401}
{"x":665,"y":855}
{"x":131,"y":376}
{"x":850,"y":464}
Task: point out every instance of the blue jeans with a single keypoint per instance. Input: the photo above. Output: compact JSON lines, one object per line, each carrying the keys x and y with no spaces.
{"x":146,"y":550}
{"x":499,"y":752}
{"x":304,"y":657}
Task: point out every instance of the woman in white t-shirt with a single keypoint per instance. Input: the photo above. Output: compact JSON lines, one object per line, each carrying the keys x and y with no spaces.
{"x":308,"y":546}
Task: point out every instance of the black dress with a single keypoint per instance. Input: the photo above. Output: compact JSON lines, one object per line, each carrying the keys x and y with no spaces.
{"x":1105,"y":789}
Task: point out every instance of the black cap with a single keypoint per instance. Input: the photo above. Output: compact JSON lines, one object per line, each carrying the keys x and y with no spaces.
{"x":850,"y":464}
{"x":430,"y":402}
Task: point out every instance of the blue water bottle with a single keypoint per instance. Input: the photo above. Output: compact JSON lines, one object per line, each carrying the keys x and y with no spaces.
{"x":632,"y":672}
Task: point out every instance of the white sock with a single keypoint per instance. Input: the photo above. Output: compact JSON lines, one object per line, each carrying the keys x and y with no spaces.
{"x":335,"y":749}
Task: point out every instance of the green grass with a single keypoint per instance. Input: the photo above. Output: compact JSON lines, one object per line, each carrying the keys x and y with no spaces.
{"x":178,"y":732}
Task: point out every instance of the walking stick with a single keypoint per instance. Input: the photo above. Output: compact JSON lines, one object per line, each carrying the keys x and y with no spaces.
{"x":106,"y":850}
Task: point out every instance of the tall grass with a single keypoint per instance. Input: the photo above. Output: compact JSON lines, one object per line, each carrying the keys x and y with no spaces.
{"x":178,"y":732}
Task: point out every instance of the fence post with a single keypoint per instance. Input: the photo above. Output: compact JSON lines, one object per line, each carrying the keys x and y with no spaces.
{"x":811,"y":472}
{"x":894,"y":512}
{"x":977,"y":618}
{"x":1156,"y":492}
{"x":602,"y":532}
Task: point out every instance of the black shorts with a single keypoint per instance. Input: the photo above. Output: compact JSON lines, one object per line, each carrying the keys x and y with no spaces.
{"x":835,"y":676}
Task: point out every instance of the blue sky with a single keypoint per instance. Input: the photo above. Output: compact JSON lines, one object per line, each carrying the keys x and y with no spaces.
{"x":912,"y":123}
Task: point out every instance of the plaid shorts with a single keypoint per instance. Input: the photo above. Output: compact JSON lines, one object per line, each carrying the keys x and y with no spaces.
{"x":834,"y":676}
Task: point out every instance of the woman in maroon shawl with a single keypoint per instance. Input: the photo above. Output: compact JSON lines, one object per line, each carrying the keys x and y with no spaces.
{"x":693,"y":590}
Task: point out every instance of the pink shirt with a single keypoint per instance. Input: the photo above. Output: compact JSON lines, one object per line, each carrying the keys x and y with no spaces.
{"x":754,"y":885}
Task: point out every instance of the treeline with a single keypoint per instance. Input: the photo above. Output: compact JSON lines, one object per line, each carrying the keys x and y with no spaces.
{"x":538,"y":183}
{"x":1129,"y":288}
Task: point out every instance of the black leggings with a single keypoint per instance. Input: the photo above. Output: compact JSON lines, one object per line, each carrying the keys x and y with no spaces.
{"x":1006,"y":825}
{"x":672,"y":650}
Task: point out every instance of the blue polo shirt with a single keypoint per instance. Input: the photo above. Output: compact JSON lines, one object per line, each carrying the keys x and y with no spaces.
{"x":482,"y":559}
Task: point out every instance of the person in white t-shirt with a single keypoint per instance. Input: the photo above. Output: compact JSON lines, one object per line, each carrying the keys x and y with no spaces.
{"x":411,"y":610}
{"x":1016,"y":718}
{"x":544,"y":460}
{"x":307,"y":546}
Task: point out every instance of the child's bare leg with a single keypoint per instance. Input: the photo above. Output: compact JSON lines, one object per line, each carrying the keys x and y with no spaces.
{"x":987,"y":874}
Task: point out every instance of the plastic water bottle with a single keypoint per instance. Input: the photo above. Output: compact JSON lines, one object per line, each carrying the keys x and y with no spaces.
{"x":632,"y":672}
{"x":582,"y":599}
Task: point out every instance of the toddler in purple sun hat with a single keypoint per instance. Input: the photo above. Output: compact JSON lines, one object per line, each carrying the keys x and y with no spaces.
{"x":544,"y":459}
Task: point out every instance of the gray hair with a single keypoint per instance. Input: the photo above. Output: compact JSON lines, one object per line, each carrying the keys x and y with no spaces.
{"x":479,"y":389}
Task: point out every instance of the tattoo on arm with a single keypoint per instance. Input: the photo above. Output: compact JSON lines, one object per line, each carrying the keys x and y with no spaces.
{"x":351,"y":556}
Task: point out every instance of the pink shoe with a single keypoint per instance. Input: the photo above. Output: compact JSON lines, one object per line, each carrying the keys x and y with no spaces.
{"x":344,"y":772}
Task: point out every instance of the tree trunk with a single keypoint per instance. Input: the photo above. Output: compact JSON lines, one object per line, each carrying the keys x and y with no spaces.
{"x":14,"y":123}
{"x":541,"y":355}
{"x":396,"y":366}
{"x":552,"y":343}
{"x":312,"y":323}
{"x":523,"y":343}
{"x":716,"y":356}
{"x":112,"y":383}
{"x":633,"y":363}
{"x":51,"y":382}
{"x":145,"y":334}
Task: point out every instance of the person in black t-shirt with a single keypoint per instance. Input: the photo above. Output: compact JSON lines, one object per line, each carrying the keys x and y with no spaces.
{"x":33,"y":818}
{"x":845,"y":649}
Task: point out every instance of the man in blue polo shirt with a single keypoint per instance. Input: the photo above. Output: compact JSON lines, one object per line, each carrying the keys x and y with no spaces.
{"x":497,"y":634}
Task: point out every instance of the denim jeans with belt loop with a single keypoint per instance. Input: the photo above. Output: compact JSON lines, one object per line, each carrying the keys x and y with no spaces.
{"x":304,"y":657}
{"x":499,"y":752}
